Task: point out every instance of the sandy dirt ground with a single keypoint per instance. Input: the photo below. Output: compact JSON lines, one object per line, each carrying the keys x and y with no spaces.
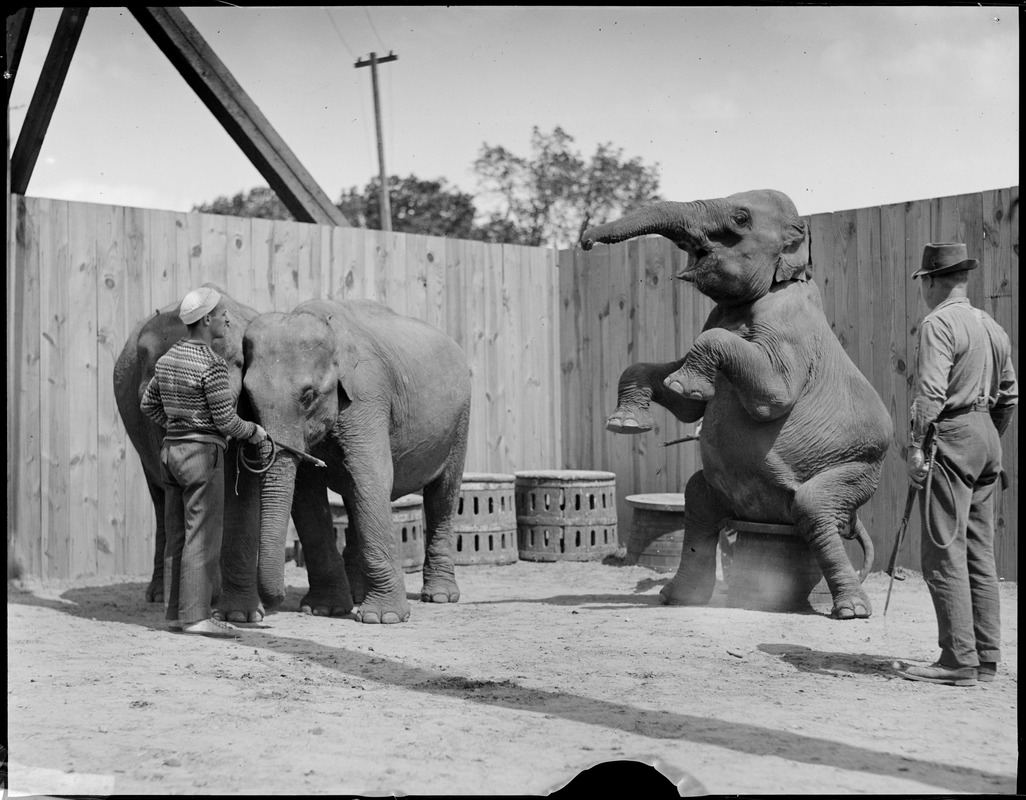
{"x":541,"y":671}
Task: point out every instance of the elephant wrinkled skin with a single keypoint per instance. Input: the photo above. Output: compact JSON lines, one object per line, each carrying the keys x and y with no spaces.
{"x":792,"y":432}
{"x":384,"y":400}
{"x":152,"y":338}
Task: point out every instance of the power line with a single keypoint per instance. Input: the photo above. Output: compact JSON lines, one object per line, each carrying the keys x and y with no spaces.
{"x":346,"y":46}
{"x":369,"y":20}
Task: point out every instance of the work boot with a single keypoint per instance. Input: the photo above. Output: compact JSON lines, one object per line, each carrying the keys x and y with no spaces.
{"x":214,"y":628}
{"x":938,"y":673}
{"x":987,"y":671}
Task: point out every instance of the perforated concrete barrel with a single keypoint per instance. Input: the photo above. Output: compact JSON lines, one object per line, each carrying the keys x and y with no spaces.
{"x":773,"y":568}
{"x":407,"y":521}
{"x":485,"y":529}
{"x":657,"y":530}
{"x":566,"y":515}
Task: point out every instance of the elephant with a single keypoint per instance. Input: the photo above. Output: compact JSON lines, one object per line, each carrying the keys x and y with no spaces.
{"x":147,"y":342}
{"x":384,"y":401}
{"x":792,"y":432}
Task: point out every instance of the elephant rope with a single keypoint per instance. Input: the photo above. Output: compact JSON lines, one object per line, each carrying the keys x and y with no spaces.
{"x":257,"y":467}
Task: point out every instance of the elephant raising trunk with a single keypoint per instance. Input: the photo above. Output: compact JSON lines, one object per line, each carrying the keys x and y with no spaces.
{"x":792,"y":432}
{"x":729,"y":250}
{"x":673,"y":220}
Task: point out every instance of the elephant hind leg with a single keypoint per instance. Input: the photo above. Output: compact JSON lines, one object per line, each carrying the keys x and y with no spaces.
{"x":441,"y":497}
{"x":705,"y":513}
{"x":155,"y":591}
{"x":824,"y":509}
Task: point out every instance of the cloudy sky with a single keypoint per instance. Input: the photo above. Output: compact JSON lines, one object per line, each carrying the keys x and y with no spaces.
{"x":839,"y":107}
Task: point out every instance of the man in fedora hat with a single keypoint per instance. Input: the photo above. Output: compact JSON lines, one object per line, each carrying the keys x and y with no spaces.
{"x":965,"y":394}
{"x":190,"y":397}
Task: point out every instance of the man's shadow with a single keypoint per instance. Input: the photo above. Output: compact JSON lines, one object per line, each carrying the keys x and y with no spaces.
{"x":819,"y":662}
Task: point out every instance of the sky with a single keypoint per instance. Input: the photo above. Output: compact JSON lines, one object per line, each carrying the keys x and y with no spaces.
{"x":840,"y":107}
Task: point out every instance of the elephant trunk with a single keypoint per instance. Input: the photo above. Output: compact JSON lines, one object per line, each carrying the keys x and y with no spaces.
{"x":683,"y":223}
{"x":276,"y":492}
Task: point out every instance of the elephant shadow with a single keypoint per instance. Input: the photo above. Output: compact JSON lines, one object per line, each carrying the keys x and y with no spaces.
{"x":606,"y":602}
{"x":819,"y":662}
{"x":642,"y":596}
{"x":118,"y":602}
{"x":294,"y":597}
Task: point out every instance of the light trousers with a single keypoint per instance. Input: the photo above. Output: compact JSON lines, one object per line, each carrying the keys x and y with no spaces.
{"x":193,"y":477}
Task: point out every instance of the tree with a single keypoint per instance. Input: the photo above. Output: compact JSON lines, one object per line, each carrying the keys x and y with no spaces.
{"x":555,"y":195}
{"x":260,"y":202}
{"x":418,"y":206}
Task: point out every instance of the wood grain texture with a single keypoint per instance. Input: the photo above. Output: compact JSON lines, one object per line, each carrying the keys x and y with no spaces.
{"x":546,"y":334}
{"x":862,"y":260}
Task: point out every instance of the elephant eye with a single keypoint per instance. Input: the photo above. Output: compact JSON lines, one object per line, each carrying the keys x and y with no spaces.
{"x":741,"y":218}
{"x":307,"y":397}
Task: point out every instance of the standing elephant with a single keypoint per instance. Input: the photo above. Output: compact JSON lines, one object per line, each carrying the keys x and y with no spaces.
{"x":384,"y":400}
{"x":792,"y":432}
{"x":132,"y":373}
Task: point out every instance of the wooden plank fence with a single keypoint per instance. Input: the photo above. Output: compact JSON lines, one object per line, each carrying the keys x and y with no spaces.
{"x":620,"y":305}
{"x":546,"y":345}
{"x":83,"y":275}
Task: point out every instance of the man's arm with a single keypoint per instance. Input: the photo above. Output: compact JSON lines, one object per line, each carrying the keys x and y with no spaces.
{"x":934,"y":361}
{"x":1008,"y":395}
{"x":934,"y":357}
{"x":222,"y":406}
{"x":152,"y":406}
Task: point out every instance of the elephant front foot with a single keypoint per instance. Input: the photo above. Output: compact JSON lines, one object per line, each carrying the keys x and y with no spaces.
{"x":682,"y":592}
{"x":691,"y":384}
{"x":852,"y":606}
{"x":326,"y":604}
{"x":383,"y":609}
{"x":240,"y":616}
{"x":155,"y":591}
{"x":440,"y":590}
{"x":630,"y":418}
{"x":239,"y":607}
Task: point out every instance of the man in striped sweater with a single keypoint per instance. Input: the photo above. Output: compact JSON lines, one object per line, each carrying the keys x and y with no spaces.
{"x":190,"y":397}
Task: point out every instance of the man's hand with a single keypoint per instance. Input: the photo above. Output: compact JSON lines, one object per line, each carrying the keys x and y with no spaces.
{"x":258,"y":436}
{"x":917,"y":466}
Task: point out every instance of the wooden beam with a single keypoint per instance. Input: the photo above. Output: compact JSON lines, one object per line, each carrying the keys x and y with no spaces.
{"x":44,"y":99}
{"x":17,"y":32}
{"x":179,"y":40}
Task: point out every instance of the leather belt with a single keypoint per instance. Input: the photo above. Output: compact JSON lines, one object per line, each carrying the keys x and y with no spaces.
{"x":979,"y":407}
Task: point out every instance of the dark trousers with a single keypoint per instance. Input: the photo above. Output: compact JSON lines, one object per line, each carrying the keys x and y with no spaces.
{"x":958,"y":539}
{"x":193,"y":476}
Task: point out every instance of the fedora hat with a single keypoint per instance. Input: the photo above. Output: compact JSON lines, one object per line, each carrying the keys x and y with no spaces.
{"x":940,"y":259}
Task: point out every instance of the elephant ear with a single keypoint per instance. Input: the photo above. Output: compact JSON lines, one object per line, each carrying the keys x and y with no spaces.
{"x":350,"y":375}
{"x":794,"y":258}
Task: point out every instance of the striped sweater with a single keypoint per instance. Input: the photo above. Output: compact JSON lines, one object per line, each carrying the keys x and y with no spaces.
{"x":189,"y":395}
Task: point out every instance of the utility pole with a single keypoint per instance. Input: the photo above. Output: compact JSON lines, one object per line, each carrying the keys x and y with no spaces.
{"x":386,"y":206}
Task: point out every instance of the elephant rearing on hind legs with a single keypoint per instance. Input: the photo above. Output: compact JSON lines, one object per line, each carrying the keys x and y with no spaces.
{"x":792,"y":432}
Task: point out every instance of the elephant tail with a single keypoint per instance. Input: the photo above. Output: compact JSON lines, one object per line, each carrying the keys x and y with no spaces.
{"x":858,"y":532}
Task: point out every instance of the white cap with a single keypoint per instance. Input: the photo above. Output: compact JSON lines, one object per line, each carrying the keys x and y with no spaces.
{"x":198,"y":303}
